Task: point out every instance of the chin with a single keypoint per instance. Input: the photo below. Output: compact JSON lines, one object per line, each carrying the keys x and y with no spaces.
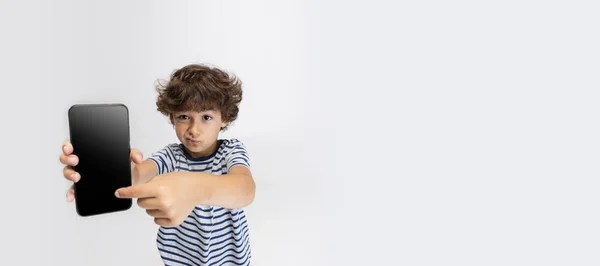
{"x":194,"y":148}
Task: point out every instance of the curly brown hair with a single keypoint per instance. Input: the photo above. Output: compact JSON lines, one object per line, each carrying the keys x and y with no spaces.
{"x":199,"y":88}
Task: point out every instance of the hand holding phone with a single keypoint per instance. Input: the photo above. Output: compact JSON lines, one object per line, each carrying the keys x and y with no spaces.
{"x":70,"y":160}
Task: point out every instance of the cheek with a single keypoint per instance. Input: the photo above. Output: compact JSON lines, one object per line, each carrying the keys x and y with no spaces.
{"x":217,"y":127}
{"x":180,"y":129}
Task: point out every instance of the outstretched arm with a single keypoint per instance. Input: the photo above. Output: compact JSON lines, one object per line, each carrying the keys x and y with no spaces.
{"x":170,"y":197}
{"x":233,"y":190}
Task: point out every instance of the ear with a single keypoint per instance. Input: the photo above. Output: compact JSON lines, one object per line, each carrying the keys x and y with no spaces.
{"x":224,"y":124}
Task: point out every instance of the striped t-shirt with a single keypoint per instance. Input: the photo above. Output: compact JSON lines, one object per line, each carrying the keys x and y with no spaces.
{"x":210,"y":235}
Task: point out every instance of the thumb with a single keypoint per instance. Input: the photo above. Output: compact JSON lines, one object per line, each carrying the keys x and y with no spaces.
{"x":136,"y":155}
{"x":145,"y":190}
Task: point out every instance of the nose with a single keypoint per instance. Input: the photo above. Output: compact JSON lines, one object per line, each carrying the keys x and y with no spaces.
{"x":194,"y":130}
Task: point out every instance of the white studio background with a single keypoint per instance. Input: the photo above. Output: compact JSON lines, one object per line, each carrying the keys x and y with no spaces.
{"x":381,"y":133}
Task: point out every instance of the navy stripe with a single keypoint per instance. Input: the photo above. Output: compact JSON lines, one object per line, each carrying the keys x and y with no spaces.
{"x":174,"y":260}
{"x":235,"y":262}
{"x":211,"y":208}
{"x":180,"y":250}
{"x":231,"y":261}
{"x":219,"y":223}
{"x":200,"y":237}
{"x":219,"y":153}
{"x":159,"y":164}
{"x":185,"y":161}
{"x":176,"y":237}
{"x":171,"y":155}
{"x":162,"y":162}
{"x":219,"y":160}
{"x":180,"y":237}
{"x":165,"y":165}
{"x":179,"y":156}
{"x":206,"y":259}
{"x":238,"y":152}
{"x":245,"y":236}
{"x":214,"y":217}
{"x":215,"y":161}
{"x":210,"y":231}
{"x":165,"y":155}
{"x":244,"y":243}
{"x":213,"y":223}
{"x":195,"y":245}
{"x":239,"y":158}
{"x":206,"y":238}
{"x":201,"y":170}
{"x":245,"y":157}
{"x":168,"y":264}
{"x":218,"y":157}
{"x":247,"y":248}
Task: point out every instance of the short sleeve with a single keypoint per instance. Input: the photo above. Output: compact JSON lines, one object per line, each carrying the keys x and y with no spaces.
{"x":237,"y":155}
{"x":164,"y":160}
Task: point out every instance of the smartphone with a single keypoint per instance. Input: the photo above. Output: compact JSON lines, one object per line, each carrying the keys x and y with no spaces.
{"x":100,"y":137}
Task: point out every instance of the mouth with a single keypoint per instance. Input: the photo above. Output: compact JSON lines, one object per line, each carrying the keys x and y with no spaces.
{"x":193,"y":141}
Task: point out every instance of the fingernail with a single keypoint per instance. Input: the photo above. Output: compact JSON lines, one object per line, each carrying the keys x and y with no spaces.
{"x":117,"y":194}
{"x":71,"y":160}
{"x":74,"y":176}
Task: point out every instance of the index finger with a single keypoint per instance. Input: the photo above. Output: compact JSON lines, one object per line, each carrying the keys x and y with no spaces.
{"x":146,"y":190}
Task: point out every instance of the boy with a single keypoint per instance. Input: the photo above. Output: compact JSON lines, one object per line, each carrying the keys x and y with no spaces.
{"x":194,"y":189}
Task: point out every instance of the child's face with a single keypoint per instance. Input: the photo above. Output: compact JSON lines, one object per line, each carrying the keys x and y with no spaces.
{"x":198,"y":131}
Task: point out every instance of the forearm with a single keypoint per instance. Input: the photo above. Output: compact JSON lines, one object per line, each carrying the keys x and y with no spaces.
{"x":230,"y":191}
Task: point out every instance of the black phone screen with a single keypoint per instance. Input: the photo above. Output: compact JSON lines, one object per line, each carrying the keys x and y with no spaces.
{"x":100,"y":137}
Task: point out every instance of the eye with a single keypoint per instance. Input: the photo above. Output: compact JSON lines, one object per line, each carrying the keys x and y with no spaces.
{"x":182,"y":117}
{"x":207,"y":117}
